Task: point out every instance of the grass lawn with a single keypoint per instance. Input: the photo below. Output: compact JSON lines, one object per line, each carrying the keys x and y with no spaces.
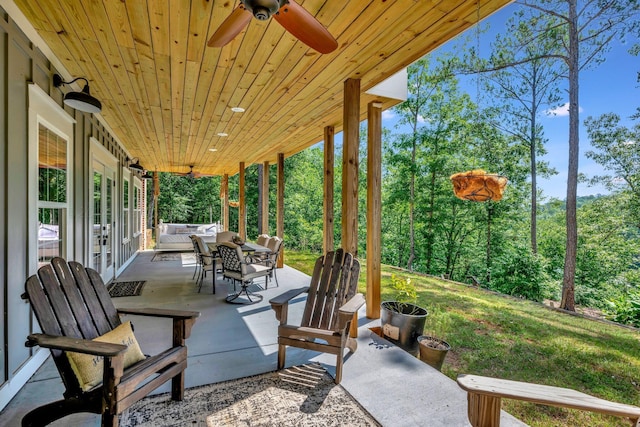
{"x":500,"y":336}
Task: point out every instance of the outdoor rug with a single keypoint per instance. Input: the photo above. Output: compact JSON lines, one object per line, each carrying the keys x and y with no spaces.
{"x":298,"y":396}
{"x":185,"y":257}
{"x":125,"y":289}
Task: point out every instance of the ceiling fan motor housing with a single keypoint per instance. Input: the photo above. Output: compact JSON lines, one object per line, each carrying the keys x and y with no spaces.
{"x":263,"y":9}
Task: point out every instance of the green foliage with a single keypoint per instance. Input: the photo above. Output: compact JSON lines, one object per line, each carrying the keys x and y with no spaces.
{"x":625,"y":309}
{"x":404,"y":291}
{"x":519,"y":272}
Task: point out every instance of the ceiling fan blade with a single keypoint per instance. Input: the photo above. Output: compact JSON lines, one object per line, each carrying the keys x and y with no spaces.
{"x":305,"y":27}
{"x":231,"y":27}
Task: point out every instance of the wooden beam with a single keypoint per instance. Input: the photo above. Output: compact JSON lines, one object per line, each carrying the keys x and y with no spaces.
{"x":265,"y":198}
{"x":242,"y":208}
{"x":280,"y":207}
{"x":225,"y":201}
{"x":350,"y":146}
{"x":351,"y":141}
{"x":374,"y":207}
{"x":329,"y":177}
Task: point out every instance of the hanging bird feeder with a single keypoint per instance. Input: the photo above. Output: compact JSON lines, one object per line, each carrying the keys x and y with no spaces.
{"x":234,"y":203}
{"x":478,"y":185}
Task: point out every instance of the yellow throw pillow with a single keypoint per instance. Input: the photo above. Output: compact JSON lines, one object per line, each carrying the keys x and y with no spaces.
{"x":88,"y":368}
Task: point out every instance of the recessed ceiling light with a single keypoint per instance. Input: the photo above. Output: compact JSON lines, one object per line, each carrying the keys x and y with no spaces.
{"x":237,"y":109}
{"x":222,"y":134}
{"x":213,"y":149}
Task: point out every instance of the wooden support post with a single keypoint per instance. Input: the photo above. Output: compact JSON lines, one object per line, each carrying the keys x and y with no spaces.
{"x":280,"y":207}
{"x":329,"y":176}
{"x":351,"y":142}
{"x":225,"y":202}
{"x":374,"y":208}
{"x":156,"y":193}
{"x":350,"y":163}
{"x":242,"y":208}
{"x":265,"y":198}
{"x":260,"y":188}
{"x":483,"y":410}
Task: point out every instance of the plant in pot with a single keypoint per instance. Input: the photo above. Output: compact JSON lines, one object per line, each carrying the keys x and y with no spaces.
{"x":433,"y":348}
{"x":402,"y":320}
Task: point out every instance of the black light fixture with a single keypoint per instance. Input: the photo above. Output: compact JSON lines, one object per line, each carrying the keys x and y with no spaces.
{"x":147,"y":175}
{"x":136,"y":165}
{"x":82,"y":101}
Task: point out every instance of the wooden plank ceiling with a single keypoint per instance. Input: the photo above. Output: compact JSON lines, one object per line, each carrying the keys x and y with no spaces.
{"x":167,"y":95}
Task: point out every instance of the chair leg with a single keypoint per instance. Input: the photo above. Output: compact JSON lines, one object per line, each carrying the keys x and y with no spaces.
{"x":177,"y":387}
{"x":110,"y":420}
{"x":339,"y":361}
{"x":282,"y":349}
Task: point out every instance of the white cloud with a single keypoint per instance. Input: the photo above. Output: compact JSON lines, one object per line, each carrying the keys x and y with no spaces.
{"x":388,"y":114}
{"x":562,"y":110}
{"x":421,"y":119}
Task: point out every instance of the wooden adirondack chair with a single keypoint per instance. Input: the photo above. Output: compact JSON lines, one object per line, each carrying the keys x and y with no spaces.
{"x":331,"y":304}
{"x":73,"y":307}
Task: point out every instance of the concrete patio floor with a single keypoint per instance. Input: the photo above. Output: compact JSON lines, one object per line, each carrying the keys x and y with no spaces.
{"x":232,"y":341}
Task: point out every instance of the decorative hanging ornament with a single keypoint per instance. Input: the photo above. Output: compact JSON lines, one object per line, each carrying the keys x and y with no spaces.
{"x":234,"y":203}
{"x":478,"y":185}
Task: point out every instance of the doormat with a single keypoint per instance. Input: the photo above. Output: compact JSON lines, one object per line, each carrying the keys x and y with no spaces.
{"x":166,"y":256}
{"x":125,"y":289}
{"x":302,"y":395}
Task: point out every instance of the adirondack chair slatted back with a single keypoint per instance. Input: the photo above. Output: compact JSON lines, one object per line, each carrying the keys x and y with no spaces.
{"x":334,"y":281}
{"x":72,"y":301}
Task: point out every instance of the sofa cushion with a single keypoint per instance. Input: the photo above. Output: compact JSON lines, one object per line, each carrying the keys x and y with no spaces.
{"x":186,"y":230}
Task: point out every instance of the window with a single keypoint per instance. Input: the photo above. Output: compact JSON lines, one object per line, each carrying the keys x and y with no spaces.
{"x":125,"y":209}
{"x":137,"y":208}
{"x":52,"y":194}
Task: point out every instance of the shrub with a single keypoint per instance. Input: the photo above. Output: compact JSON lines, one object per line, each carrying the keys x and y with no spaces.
{"x":625,"y":309}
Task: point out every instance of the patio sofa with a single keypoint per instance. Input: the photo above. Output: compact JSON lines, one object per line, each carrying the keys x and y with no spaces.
{"x":175,"y":237}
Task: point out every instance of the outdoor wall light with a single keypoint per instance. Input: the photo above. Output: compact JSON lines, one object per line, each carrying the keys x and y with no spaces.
{"x":147,"y":175}
{"x":136,"y":165}
{"x":82,"y":101}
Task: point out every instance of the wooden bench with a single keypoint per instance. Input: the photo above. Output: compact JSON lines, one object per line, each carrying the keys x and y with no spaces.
{"x":484,"y":396}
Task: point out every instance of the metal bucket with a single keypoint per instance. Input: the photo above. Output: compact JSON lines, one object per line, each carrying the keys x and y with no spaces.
{"x":402,"y":324}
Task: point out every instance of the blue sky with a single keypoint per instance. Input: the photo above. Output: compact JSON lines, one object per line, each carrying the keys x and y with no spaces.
{"x":608,"y":87}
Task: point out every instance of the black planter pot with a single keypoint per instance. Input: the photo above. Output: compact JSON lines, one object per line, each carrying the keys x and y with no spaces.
{"x":402,"y":324}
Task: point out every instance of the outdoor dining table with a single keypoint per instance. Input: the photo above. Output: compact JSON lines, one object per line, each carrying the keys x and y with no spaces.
{"x":247,"y":247}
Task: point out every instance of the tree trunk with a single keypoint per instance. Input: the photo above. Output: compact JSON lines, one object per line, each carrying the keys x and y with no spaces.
{"x":568,"y":282}
{"x":430,"y":232}
{"x":412,"y":185}
{"x":534,"y":186}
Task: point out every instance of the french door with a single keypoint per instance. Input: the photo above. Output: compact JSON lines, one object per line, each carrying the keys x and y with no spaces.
{"x":103,"y":225}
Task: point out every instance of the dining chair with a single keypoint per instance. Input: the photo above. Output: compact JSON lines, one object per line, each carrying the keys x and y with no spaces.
{"x":270,"y":258}
{"x":208,"y":262}
{"x":235,"y":267}
{"x":225,"y":236}
{"x":262,"y":239}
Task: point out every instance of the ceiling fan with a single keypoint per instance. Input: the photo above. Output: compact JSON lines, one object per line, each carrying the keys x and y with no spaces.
{"x":191,"y":173}
{"x":293,"y":17}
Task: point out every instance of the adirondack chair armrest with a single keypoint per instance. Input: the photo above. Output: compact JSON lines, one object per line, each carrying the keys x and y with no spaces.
{"x":77,"y":345}
{"x":183,"y":320}
{"x":484,"y":396}
{"x":160,"y":312}
{"x":280,"y":304}
{"x":350,"y":308}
